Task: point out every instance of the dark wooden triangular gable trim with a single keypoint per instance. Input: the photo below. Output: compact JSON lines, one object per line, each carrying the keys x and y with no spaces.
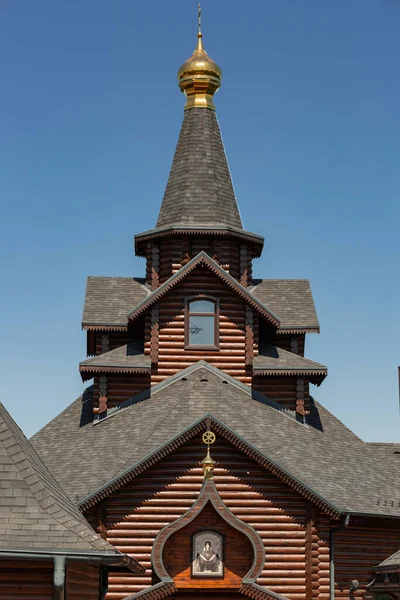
{"x":209,"y":493}
{"x":230,"y":436}
{"x":203,"y":259}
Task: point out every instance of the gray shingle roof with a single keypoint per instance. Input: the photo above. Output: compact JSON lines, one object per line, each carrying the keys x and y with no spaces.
{"x":386,"y":451}
{"x":199,"y":189}
{"x":35,"y":512}
{"x":273,"y":359}
{"x":129,"y":356}
{"x":109,"y":299}
{"x":291,"y":300}
{"x":391,"y":562}
{"x":324,"y":455}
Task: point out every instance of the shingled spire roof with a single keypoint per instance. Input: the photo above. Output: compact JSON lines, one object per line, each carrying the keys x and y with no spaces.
{"x":199,"y":189}
{"x":199,"y":197}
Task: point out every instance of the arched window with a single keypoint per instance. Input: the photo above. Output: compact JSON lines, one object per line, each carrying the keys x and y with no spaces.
{"x":201,"y":324}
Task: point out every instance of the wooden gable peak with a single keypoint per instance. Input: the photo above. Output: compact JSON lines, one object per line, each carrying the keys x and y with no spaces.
{"x":204,"y":259}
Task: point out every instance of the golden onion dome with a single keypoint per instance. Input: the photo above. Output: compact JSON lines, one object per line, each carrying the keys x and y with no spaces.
{"x":199,"y":78}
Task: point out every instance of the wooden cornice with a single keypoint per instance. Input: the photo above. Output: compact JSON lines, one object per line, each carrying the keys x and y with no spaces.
{"x":203,"y":259}
{"x":87,"y":372}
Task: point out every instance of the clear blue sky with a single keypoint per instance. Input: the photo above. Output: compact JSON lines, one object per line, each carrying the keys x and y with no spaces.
{"x":309,"y":110}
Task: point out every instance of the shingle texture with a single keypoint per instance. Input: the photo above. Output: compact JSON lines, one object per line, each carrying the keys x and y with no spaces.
{"x":199,"y":189}
{"x":290,"y":299}
{"x":35,"y":512}
{"x":386,"y":450}
{"x":324,"y":455}
{"x":128,"y":356}
{"x":109,"y":299}
{"x":273,"y":358}
{"x":392,"y":561}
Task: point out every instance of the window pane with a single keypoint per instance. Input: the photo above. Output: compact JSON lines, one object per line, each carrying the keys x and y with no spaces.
{"x":202,"y":306}
{"x":201,"y":331}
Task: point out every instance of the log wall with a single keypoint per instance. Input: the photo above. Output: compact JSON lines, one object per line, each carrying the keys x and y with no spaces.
{"x":358,"y":550}
{"x":281,"y":389}
{"x":166,"y":257}
{"x":82,"y":582}
{"x":135,"y":514}
{"x":171,"y":353}
{"x":26,"y":580}
{"x":120,"y":387}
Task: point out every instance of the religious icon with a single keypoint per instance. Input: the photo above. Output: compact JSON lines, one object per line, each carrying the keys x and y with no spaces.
{"x":207,"y":555}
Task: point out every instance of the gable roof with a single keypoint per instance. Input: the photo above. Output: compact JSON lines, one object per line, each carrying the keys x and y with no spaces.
{"x":323,"y":456}
{"x":108,"y":300}
{"x":272,"y":360}
{"x":129,"y":358}
{"x":203,"y":259}
{"x":391,"y":563}
{"x":291,"y":300}
{"x":36,"y":514}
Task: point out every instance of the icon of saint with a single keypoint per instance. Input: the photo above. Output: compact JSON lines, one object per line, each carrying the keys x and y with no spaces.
{"x":207,"y":560}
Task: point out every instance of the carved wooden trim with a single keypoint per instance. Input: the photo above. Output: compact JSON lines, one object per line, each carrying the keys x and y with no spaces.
{"x":155,"y":592}
{"x":102,"y":407}
{"x":300,"y":407}
{"x":155,"y":266}
{"x":249,"y":336}
{"x":105,"y":342}
{"x":243,"y":265}
{"x":310,"y":514}
{"x":257,"y":592}
{"x":208,"y":493}
{"x":154,"y":331}
{"x":203,"y":259}
{"x":230,"y":437}
{"x":294,"y":344}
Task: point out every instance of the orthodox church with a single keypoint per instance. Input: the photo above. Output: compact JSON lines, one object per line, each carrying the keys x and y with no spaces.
{"x":199,"y":464}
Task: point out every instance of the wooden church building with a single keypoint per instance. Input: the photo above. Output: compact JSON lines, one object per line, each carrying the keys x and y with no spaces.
{"x":199,"y":451}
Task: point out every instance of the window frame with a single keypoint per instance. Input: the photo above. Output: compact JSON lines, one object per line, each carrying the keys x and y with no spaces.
{"x":215,"y":314}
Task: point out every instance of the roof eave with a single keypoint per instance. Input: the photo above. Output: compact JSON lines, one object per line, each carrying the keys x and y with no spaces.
{"x":87,"y":372}
{"x":203,"y":258}
{"x":160,"y":232}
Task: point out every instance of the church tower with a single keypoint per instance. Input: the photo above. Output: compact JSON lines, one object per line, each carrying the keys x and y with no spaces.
{"x":285,"y":503}
{"x":198,"y":300}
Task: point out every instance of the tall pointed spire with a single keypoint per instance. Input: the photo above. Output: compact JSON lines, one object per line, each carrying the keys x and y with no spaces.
{"x":199,"y":194}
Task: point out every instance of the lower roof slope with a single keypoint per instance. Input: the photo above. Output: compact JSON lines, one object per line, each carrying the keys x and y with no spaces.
{"x":36,"y":514}
{"x":323,"y":455}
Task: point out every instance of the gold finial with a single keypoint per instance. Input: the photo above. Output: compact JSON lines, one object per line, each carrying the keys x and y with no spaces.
{"x":208,"y":463}
{"x":199,"y":77}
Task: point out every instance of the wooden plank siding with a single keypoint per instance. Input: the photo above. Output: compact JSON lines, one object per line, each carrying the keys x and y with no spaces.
{"x":26,"y":580}
{"x":172,"y":355}
{"x":139,"y":510}
{"x":82,"y":582}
